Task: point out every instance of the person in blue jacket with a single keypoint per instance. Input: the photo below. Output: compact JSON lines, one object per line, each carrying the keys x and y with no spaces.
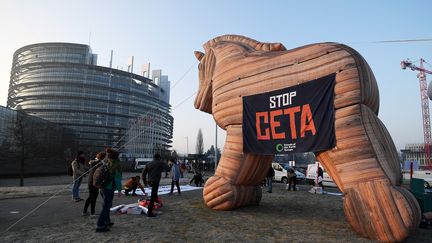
{"x":175,"y":175}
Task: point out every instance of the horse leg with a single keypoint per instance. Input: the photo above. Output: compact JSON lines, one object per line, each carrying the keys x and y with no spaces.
{"x":366,"y":168}
{"x":238,"y":176}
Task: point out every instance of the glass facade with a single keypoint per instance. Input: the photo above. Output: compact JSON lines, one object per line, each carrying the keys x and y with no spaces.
{"x":44,"y":146}
{"x":7,"y":116}
{"x":60,"y":82}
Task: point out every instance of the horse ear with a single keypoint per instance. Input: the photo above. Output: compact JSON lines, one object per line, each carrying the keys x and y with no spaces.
{"x":199,"y":55}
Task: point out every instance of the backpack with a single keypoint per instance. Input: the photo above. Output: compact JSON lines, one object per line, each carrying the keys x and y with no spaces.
{"x":102,"y":176}
{"x":70,"y":170}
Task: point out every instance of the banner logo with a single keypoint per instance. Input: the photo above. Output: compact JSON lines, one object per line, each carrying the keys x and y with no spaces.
{"x":279,"y":148}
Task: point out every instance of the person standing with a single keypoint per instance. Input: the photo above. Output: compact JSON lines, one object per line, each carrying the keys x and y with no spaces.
{"x":78,"y":172}
{"x":154,"y":170}
{"x":107,"y":190}
{"x":93,"y":191}
{"x":175,"y":176}
{"x":269,"y":179}
{"x":320,"y":177}
{"x":292,"y":179}
{"x":182,"y":169}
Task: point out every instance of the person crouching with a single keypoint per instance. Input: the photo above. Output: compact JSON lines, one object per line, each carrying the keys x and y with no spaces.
{"x":132,"y":184}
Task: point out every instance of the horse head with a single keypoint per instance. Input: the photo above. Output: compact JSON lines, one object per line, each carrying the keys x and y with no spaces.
{"x":207,"y":66}
{"x":203,"y":100}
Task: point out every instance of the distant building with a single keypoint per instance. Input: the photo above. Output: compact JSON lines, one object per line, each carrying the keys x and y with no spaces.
{"x":414,"y":152}
{"x":60,"y":82}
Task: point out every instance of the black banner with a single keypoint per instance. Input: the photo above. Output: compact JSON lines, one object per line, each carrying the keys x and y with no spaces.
{"x":291,"y":120}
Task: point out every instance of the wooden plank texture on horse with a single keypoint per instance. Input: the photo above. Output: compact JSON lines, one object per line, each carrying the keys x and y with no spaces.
{"x":364,"y":163}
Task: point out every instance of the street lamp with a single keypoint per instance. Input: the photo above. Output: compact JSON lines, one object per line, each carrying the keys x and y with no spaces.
{"x":187,"y":144}
{"x":216,"y":150}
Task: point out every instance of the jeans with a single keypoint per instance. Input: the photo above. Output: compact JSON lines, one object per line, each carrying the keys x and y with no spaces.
{"x":292,"y":181}
{"x":172,"y":186}
{"x":269,"y":184}
{"x":75,"y":188}
{"x":91,"y":200}
{"x":104,"y":217}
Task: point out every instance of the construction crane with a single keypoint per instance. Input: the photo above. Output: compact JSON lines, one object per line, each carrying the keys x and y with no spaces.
{"x":425,"y":105}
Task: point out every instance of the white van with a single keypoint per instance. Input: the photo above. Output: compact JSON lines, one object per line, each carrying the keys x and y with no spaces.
{"x":140,"y":163}
{"x":281,"y":170}
{"x":426,"y":175}
{"x":311,"y":175}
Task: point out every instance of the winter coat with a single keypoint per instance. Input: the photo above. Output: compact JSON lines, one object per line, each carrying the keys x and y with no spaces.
{"x":291,"y":173}
{"x":154,"y":170}
{"x":175,"y":172}
{"x":78,"y":169}
{"x":133,"y":183}
{"x":270,"y":172}
{"x":116,"y":172}
{"x":92,"y":164}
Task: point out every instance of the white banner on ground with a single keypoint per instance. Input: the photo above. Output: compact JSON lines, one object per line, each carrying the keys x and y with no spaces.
{"x":165,"y":189}
{"x":319,"y":190}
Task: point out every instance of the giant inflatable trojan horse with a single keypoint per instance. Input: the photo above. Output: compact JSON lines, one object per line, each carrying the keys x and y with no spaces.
{"x":364,"y":162}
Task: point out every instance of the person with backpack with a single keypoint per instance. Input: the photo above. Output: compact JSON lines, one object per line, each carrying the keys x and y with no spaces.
{"x":175,"y":176}
{"x":93,"y":191}
{"x":154,"y":170}
{"x":78,"y":171}
{"x":111,"y":181}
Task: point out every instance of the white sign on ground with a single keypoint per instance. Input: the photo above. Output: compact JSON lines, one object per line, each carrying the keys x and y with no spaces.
{"x":165,"y":189}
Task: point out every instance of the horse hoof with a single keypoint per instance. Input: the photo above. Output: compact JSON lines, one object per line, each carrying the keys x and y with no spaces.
{"x":380,"y":211}
{"x":220,"y":194}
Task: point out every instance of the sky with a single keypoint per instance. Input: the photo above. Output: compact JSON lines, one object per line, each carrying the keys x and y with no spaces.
{"x":166,"y":33}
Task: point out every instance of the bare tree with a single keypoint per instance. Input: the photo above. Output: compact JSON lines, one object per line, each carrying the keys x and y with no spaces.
{"x":211,"y":153}
{"x":35,"y":140}
{"x":199,"y":143}
{"x":23,"y":137}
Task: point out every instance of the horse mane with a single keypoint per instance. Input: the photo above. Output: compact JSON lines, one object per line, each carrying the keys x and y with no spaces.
{"x":259,"y":46}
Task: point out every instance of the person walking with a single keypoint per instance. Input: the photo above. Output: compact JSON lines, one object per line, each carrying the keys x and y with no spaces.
{"x":175,"y":176}
{"x":269,"y":179}
{"x":107,"y":190}
{"x":93,"y":191}
{"x":292,"y":179}
{"x":78,"y":171}
{"x":154,"y":170}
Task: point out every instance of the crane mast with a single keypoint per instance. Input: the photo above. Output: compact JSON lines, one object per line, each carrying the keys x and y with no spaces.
{"x":424,"y":104}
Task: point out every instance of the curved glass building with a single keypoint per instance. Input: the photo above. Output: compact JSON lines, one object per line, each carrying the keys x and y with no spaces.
{"x":60,"y":82}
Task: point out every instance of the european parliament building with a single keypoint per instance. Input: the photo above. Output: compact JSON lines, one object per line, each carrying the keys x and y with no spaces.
{"x":61,"y":83}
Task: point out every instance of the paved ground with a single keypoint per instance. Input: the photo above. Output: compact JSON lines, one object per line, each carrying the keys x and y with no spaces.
{"x":281,"y":217}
